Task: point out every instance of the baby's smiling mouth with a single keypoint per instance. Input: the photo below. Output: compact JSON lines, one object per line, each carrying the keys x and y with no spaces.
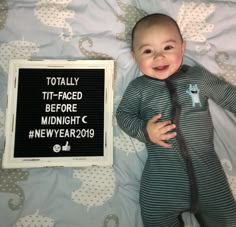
{"x":161,"y":68}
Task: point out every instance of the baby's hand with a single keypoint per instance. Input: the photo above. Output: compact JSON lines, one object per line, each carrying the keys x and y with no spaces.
{"x":158,"y":131}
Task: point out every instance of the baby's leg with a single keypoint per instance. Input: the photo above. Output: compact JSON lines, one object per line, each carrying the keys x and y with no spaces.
{"x":217,"y":204}
{"x":170,"y":219}
{"x":164,"y":195}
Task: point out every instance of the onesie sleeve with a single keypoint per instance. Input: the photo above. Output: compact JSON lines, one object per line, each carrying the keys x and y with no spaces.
{"x":220,"y":91}
{"x":128,"y":114}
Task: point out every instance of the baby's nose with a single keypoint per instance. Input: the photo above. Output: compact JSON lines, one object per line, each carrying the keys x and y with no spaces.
{"x":158,"y":55}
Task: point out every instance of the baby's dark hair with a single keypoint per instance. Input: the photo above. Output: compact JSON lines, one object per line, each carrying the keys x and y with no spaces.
{"x":153,"y":19}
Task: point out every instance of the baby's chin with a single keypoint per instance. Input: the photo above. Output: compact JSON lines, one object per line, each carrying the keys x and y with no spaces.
{"x":160,"y":77}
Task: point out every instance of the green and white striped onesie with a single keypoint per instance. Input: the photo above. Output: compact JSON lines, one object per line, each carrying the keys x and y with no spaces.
{"x":166,"y":187}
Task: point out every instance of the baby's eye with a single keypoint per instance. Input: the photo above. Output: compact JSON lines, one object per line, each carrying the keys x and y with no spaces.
{"x":147,"y":51}
{"x":169,"y":47}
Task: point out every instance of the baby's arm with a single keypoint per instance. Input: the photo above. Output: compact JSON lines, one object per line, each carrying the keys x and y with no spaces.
{"x":220,"y":91}
{"x":130,"y":121}
{"x":128,"y":118}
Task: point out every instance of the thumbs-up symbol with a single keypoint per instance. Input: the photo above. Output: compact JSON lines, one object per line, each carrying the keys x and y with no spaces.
{"x":66,"y":147}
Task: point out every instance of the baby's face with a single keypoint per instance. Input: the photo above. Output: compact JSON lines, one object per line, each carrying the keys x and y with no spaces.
{"x":158,"y":50}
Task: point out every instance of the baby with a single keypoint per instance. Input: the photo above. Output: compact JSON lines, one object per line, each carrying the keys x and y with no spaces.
{"x":167,"y":109}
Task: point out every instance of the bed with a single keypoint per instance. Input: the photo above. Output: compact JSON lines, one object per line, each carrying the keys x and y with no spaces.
{"x":100,"y":29}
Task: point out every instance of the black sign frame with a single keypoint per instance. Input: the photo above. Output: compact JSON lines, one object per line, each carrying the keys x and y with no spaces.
{"x":59,"y":113}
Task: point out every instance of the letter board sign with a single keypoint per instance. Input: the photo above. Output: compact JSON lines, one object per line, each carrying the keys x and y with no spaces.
{"x":59,"y":113}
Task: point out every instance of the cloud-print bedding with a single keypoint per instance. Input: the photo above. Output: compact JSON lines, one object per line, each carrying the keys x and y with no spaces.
{"x":94,"y":29}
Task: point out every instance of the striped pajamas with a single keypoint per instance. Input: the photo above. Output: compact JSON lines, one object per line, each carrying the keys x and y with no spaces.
{"x":165,"y":190}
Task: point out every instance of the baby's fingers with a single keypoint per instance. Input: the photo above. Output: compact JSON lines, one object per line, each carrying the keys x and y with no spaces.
{"x":167,"y":127}
{"x":164,"y":144}
{"x":168,"y":136}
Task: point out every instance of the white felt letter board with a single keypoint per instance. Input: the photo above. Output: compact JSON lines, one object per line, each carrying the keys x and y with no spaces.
{"x":59,"y":113}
